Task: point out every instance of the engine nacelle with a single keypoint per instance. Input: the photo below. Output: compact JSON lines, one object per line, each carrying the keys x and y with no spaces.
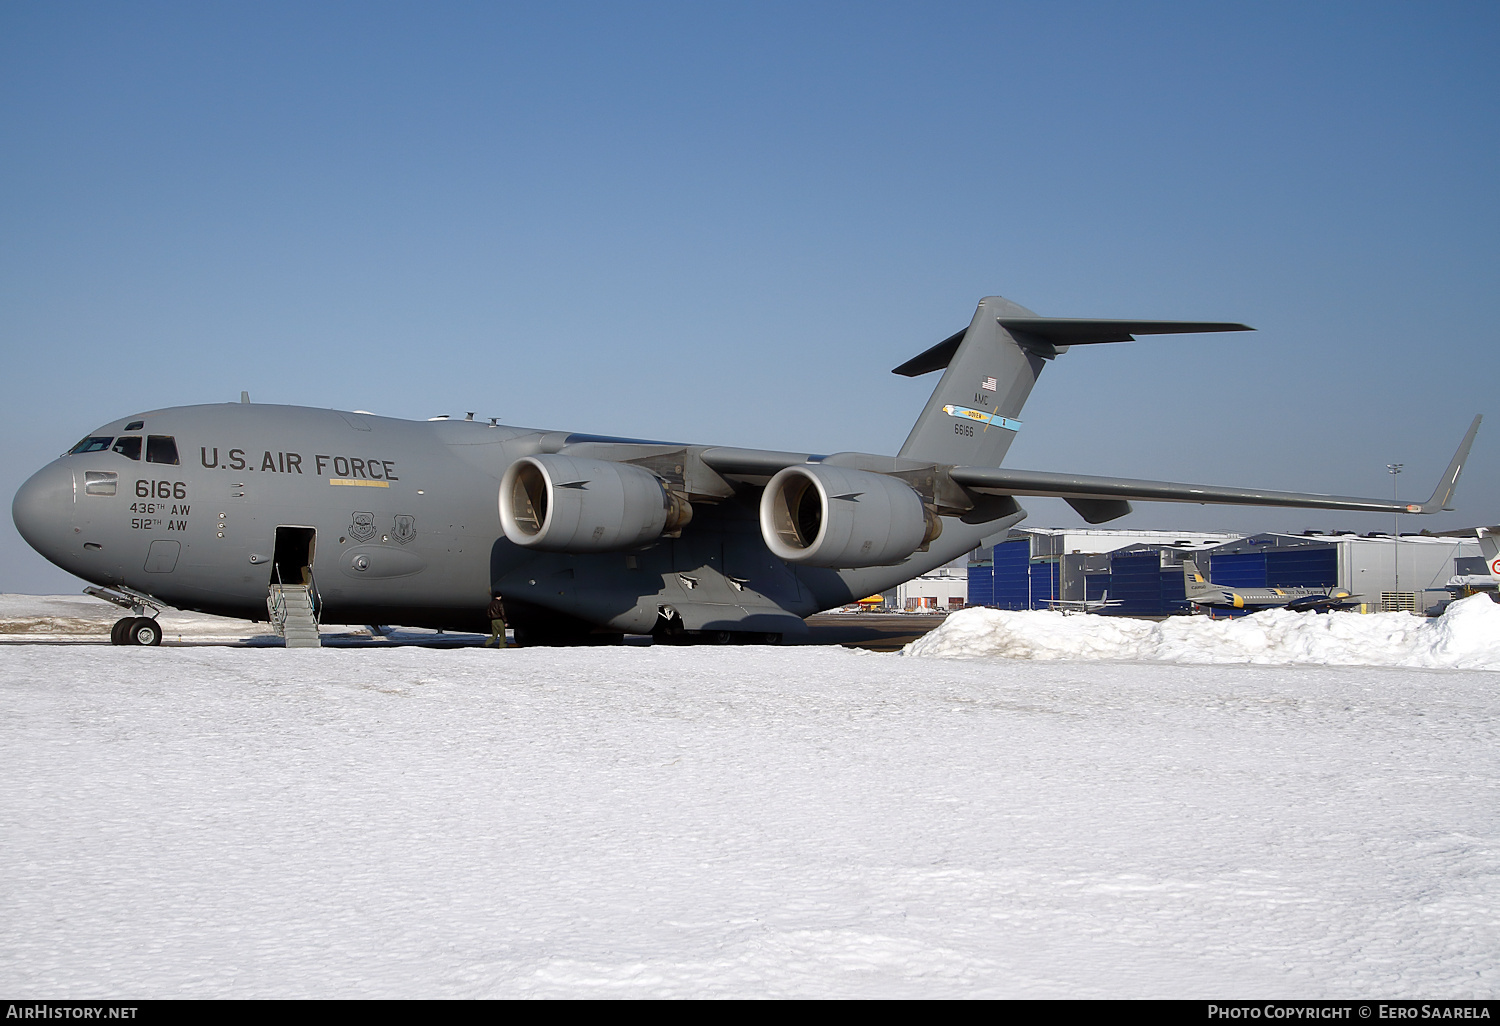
{"x":571,"y":504}
{"x":830,"y":516}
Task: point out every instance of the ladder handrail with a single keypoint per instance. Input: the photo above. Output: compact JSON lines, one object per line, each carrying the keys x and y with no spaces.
{"x":314,"y":599}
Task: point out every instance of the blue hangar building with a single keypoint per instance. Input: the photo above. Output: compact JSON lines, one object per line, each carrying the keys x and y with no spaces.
{"x":1142,"y":570}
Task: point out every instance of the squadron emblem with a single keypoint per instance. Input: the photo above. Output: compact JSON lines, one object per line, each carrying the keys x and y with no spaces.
{"x":362,"y":526}
{"x":406,"y":528}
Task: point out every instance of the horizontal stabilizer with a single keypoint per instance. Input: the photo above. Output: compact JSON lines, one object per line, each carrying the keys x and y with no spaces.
{"x":1060,"y":332}
{"x":936,"y":358}
{"x":1086,"y":331}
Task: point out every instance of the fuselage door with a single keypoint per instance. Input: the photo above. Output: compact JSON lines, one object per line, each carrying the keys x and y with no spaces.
{"x":293,"y":561}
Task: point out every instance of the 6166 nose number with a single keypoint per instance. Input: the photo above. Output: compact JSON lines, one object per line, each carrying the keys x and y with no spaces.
{"x":160,"y":490}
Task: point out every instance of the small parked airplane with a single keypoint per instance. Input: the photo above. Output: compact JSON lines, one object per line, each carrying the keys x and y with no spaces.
{"x":1205,"y":594}
{"x":1097,"y":605}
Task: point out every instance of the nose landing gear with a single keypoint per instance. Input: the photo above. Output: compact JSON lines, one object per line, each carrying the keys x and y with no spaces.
{"x":135,"y":630}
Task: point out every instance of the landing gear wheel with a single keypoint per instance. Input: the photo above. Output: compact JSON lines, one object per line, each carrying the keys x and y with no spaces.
{"x":143,"y":630}
{"x":117,"y":632}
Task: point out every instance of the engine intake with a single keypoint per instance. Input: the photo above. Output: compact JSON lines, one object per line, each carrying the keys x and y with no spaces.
{"x":571,"y":504}
{"x":820,"y":515}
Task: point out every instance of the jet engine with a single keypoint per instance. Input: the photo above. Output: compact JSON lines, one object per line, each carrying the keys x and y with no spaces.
{"x":571,"y":504}
{"x":820,"y":515}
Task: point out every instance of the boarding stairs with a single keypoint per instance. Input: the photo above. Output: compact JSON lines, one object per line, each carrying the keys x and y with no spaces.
{"x":293,"y":615}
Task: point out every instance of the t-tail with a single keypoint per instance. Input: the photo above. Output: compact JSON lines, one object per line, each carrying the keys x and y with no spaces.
{"x":989,"y":369}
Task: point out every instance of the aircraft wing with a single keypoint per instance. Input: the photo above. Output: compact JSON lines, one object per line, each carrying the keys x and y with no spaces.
{"x":1106,"y":492}
{"x":1098,"y":499}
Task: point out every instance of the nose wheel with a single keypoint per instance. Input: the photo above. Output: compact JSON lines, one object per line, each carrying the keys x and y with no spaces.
{"x":135,"y":630}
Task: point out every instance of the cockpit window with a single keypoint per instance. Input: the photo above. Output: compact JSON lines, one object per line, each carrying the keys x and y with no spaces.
{"x":135,"y":425}
{"x":129,"y":447}
{"x":96,"y":443}
{"x":161,"y":449}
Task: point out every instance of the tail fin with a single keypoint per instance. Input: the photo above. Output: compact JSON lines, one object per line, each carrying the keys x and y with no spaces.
{"x":971,"y":417}
{"x":989,"y":369}
{"x":1195,"y":583}
{"x":1490,"y":546}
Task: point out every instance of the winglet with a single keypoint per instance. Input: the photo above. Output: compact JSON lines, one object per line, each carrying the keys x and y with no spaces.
{"x":1443,"y":493}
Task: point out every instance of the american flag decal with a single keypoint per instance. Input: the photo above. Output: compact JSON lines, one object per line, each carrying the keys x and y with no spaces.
{"x":988,"y":384}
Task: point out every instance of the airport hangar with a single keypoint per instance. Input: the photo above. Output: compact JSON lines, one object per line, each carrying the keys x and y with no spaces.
{"x":1142,"y":570}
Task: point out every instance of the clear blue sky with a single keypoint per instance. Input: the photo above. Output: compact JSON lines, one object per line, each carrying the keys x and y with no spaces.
{"x":726,"y":223}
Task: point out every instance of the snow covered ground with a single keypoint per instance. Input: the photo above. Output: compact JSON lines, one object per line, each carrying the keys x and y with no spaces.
{"x":651,"y":821}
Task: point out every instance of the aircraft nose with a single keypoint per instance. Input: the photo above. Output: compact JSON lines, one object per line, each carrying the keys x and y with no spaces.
{"x":43,"y":510}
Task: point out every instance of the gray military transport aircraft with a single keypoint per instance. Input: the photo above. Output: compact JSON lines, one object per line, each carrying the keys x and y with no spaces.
{"x":252,"y":510}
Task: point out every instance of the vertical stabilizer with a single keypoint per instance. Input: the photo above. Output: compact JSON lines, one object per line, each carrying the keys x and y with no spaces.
{"x":1196,"y":585}
{"x":1489,"y":544}
{"x":974,"y":413}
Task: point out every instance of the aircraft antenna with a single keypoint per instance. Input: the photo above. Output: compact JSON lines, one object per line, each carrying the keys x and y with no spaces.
{"x":1393,"y":469}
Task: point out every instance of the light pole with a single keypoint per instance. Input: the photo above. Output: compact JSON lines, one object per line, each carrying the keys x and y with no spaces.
{"x":1394,"y":469}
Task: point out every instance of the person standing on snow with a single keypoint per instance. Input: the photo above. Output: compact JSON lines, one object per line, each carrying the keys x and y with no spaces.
{"x":496,"y":613}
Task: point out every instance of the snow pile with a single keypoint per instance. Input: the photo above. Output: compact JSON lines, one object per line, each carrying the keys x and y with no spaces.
{"x":1465,"y":637}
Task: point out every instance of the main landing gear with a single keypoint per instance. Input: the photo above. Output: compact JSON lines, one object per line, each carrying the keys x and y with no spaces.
{"x":136,"y":630}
